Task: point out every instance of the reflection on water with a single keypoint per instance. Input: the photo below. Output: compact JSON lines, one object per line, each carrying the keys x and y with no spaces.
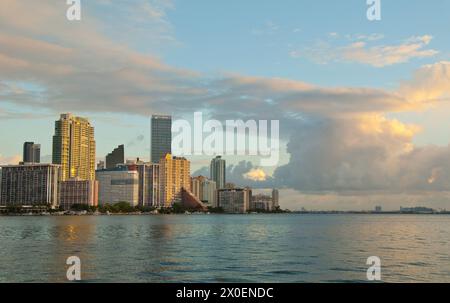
{"x":222,"y":248}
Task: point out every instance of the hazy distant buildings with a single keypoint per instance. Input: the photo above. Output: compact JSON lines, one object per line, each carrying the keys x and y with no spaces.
{"x":261,"y":202}
{"x":30,"y":185}
{"x":101,"y":165}
{"x":77,"y":191}
{"x":236,"y":200}
{"x":217,"y":170}
{"x":174,"y":176}
{"x":117,"y":156}
{"x":74,"y":147}
{"x":205,"y":190}
{"x":119,"y":184}
{"x":161,"y":137}
{"x":31,"y":152}
{"x":275,"y":199}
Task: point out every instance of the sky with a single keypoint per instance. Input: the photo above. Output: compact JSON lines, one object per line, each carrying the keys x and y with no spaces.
{"x":363,"y":105}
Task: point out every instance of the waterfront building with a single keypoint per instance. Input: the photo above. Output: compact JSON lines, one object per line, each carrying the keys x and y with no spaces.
{"x":205,"y":190}
{"x":161,"y":137}
{"x":74,"y":147}
{"x":217,"y":170}
{"x":275,"y":199}
{"x":174,"y":176}
{"x":31,"y":152}
{"x":30,"y":184}
{"x":77,"y":191}
{"x":261,"y":202}
{"x":119,"y":184}
{"x":149,"y":195}
{"x":236,"y":200}
{"x":117,"y":156}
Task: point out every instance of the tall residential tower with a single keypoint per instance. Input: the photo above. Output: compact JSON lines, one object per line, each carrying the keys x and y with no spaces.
{"x":74,"y":147}
{"x":217,"y":171}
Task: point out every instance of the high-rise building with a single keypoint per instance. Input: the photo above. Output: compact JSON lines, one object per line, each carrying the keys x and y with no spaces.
{"x":204,"y":189}
{"x":117,"y":156}
{"x":174,"y":177}
{"x":76,"y":192}
{"x":30,"y":185}
{"x":218,"y":171}
{"x":148,"y":184}
{"x":236,"y":200}
{"x":275,"y":199}
{"x":31,"y":152}
{"x":74,"y":147}
{"x":119,"y":184}
{"x":161,"y":137}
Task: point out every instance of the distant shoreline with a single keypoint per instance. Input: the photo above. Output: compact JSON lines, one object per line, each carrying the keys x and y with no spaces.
{"x":224,"y":214}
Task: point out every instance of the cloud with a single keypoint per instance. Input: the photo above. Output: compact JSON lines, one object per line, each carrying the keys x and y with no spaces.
{"x":256,"y":174}
{"x":14,"y":160}
{"x":363,"y":52}
{"x":242,"y":174}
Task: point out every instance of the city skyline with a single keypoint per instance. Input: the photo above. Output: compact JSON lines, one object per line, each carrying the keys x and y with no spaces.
{"x":362,"y":105}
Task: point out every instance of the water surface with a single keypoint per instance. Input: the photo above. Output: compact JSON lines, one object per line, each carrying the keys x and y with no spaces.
{"x":226,"y":248}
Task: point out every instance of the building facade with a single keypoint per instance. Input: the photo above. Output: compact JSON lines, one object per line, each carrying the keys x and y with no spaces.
{"x":30,"y":185}
{"x":217,"y":170}
{"x":118,"y":185}
{"x":149,"y":195}
{"x":205,"y":190}
{"x":261,"y":202}
{"x":275,"y":199}
{"x":77,"y":191}
{"x":174,"y":176}
{"x":31,"y":152}
{"x":74,"y":147}
{"x":161,"y":137}
{"x":117,"y":156}
{"x":234,"y":201}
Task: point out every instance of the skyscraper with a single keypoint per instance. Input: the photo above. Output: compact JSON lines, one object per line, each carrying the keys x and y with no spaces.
{"x":174,"y":177}
{"x":74,"y":147}
{"x":117,"y":156}
{"x":217,"y":171}
{"x":31,"y":152}
{"x":161,"y":137}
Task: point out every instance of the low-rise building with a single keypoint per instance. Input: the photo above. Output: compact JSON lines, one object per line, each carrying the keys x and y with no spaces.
{"x":234,"y":200}
{"x":78,"y":192}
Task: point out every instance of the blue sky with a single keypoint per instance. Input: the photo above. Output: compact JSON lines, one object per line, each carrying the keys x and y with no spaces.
{"x":384,"y":83}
